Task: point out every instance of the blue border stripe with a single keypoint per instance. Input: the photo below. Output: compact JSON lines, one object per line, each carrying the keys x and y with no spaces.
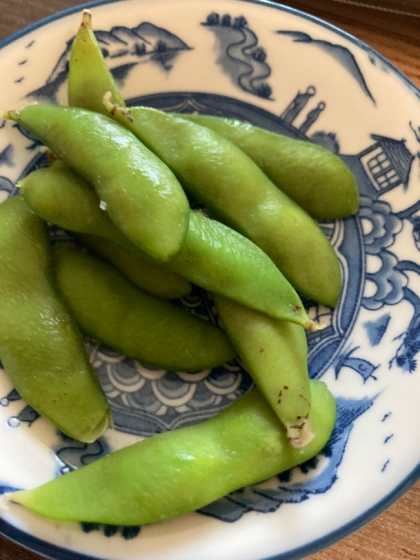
{"x":58,"y":553}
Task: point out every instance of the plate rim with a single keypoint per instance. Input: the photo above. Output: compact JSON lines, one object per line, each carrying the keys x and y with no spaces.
{"x":268,"y":3}
{"x":46,"y":548}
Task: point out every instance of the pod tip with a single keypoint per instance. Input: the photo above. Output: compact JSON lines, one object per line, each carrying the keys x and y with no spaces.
{"x":15,"y":115}
{"x":113,"y":108}
{"x":300,"y":435}
{"x":314,"y":326}
{"x":86,"y":19}
{"x":8,"y":115}
{"x":97,"y":431}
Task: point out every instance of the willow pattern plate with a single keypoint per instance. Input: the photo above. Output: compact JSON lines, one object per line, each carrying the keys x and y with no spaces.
{"x":291,"y":73}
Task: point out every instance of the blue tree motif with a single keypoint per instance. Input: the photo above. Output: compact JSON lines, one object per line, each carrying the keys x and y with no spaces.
{"x":140,"y":50}
{"x":259,"y":54}
{"x":226,"y":20}
{"x":239,"y":22}
{"x":264,"y":90}
{"x":327,"y":140}
{"x":389,"y":281}
{"x":213,"y":19}
{"x":161,"y":46}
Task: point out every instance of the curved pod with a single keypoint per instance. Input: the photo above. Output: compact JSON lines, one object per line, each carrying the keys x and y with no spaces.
{"x":41,"y":347}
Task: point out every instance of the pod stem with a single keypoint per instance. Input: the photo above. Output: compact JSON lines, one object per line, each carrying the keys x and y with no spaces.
{"x":10,"y":115}
{"x":314,"y":326}
{"x":113,"y":108}
{"x":299,"y":435}
{"x":86,"y":19}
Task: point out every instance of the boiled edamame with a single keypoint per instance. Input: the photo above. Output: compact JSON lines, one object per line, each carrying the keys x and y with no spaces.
{"x":112,"y":310}
{"x":141,"y":194}
{"x":59,"y":195}
{"x":223,"y":177}
{"x":41,"y":347}
{"x":89,"y":77}
{"x":275,"y":353}
{"x":176,"y":472}
{"x":212,"y":255}
{"x":315,"y":178}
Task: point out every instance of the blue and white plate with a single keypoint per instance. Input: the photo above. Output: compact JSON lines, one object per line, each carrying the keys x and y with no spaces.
{"x":291,"y":73}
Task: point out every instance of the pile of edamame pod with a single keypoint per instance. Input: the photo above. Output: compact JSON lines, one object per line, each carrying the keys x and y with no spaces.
{"x":118,"y":182}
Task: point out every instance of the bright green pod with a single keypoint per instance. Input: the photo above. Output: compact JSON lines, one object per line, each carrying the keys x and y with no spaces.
{"x":111,"y":309}
{"x":148,"y":276}
{"x":315,"y":178}
{"x":89,"y":77}
{"x":59,"y":195}
{"x":41,"y":348}
{"x":141,"y":194}
{"x":176,"y":472}
{"x":212,"y":255}
{"x":275,"y":353}
{"x":224,"y":262}
{"x":224,"y":178}
{"x":55,"y":186}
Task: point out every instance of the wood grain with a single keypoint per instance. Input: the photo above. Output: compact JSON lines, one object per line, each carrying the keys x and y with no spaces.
{"x":395,"y":535}
{"x":395,"y":36}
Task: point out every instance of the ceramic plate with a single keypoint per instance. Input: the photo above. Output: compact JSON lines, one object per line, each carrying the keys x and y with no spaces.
{"x":290,"y":73}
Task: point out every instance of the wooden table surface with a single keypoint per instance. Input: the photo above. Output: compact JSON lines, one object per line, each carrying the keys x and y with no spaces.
{"x":395,"y":535}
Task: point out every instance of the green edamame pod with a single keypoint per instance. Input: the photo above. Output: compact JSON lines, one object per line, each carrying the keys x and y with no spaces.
{"x":176,"y":472}
{"x":142,"y":195}
{"x":222,"y":176}
{"x":223,"y":261}
{"x":315,"y":178}
{"x":89,"y":77}
{"x":275,"y":353}
{"x":109,"y":308}
{"x":212,"y":255}
{"x":59,"y":195}
{"x":55,"y":185}
{"x":40,"y":345}
{"x":144,"y":274}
